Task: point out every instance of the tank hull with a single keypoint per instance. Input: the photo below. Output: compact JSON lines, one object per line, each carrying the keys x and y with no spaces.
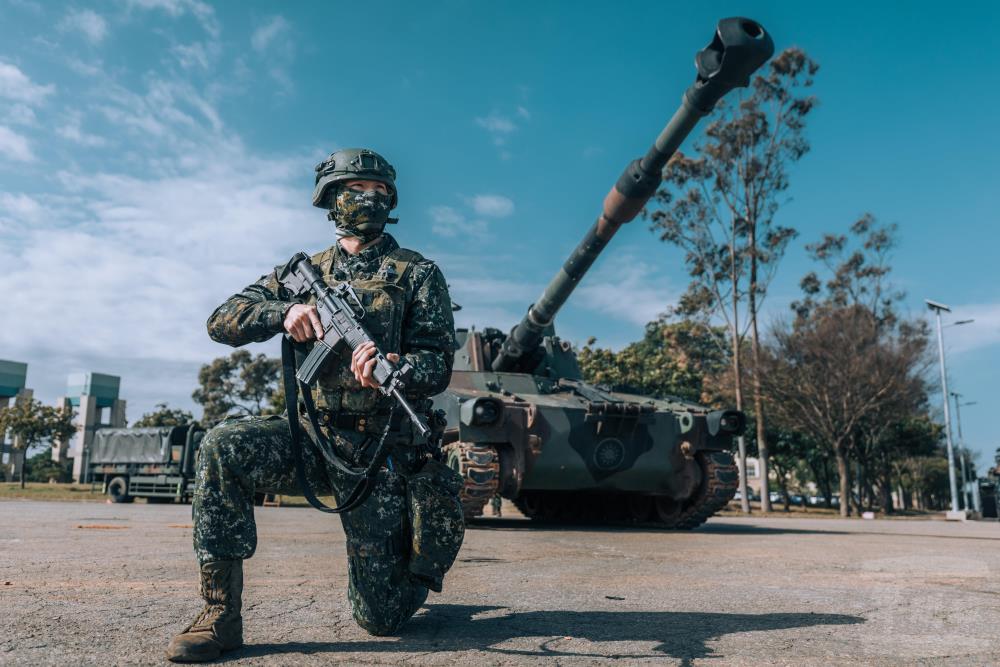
{"x":550,"y":443}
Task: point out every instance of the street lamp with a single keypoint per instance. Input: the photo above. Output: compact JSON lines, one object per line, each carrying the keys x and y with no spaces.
{"x":974,"y":502}
{"x":937,"y":308}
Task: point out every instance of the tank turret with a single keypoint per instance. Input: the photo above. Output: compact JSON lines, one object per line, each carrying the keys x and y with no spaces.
{"x":739,"y":47}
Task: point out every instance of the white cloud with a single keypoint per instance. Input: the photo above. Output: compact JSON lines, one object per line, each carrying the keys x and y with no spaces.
{"x":21,"y":114}
{"x":202,"y":12}
{"x":191,"y":55}
{"x":85,"y":69}
{"x":627,"y":289}
{"x":449,"y":222}
{"x":496,"y":123}
{"x":500,"y":128}
{"x":267,"y":33}
{"x":20,"y":206}
{"x":492,"y":206}
{"x":15,"y":85}
{"x":983,"y":332}
{"x":135,"y":256}
{"x":72,"y":131}
{"x":153,"y":255}
{"x":87,"y":23}
{"x":15,"y":146}
{"x":171,"y":111}
{"x":446,"y":221}
{"x":273,"y":44}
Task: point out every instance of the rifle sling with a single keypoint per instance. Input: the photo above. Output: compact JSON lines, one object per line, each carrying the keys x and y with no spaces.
{"x":365,"y":476}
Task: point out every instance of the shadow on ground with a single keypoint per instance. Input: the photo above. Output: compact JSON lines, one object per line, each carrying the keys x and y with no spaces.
{"x":444,"y":627}
{"x":710,"y":528}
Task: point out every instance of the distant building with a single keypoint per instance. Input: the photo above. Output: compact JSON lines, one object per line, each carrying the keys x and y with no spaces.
{"x":753,"y":475}
{"x":13,"y":375}
{"x":94,"y":397}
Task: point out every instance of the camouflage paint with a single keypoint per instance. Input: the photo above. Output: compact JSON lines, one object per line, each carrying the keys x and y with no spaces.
{"x":558,"y":434}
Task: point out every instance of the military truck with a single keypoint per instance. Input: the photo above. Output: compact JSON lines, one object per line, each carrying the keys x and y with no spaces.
{"x":524,"y":424}
{"x":155,"y":463}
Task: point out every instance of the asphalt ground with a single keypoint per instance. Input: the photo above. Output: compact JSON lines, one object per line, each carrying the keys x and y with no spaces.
{"x":95,"y":584}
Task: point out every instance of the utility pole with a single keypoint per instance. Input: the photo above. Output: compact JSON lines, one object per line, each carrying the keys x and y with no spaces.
{"x":963,"y":450}
{"x":954,"y":514}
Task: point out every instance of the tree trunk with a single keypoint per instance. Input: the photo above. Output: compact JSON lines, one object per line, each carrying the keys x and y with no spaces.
{"x":782,"y":481}
{"x":758,"y":403}
{"x":821,"y":473}
{"x":845,"y":480}
{"x":738,"y":393}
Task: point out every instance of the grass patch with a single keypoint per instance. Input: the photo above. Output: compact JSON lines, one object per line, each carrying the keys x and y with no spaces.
{"x":44,"y":491}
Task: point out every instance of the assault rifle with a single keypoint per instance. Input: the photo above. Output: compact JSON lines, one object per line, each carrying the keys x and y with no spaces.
{"x":341,"y":313}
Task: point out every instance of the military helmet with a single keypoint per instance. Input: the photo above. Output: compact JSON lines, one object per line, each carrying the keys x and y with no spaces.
{"x":349,"y":164}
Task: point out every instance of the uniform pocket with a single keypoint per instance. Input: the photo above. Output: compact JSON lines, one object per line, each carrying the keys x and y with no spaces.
{"x":437,"y":524}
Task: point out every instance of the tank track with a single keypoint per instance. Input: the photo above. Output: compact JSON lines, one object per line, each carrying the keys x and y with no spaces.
{"x":718,"y":486}
{"x":720,"y":479}
{"x":479,"y":466}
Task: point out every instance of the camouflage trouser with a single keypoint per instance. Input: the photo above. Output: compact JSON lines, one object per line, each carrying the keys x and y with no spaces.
{"x":253,"y":454}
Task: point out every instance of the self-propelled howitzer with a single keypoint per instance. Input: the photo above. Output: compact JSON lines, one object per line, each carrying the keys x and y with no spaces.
{"x":524,"y":424}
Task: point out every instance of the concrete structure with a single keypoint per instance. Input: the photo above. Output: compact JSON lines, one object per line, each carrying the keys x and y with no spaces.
{"x":94,"y":397}
{"x":12,"y":380}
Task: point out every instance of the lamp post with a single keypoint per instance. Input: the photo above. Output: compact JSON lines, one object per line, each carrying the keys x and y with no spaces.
{"x":937,"y":308}
{"x":962,"y":450}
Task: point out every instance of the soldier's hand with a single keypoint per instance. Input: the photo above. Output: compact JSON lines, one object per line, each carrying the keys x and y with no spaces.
{"x":363,"y":363}
{"x":302,"y":322}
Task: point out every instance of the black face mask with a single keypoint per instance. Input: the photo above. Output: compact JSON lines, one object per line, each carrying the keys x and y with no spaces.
{"x":362,"y":214}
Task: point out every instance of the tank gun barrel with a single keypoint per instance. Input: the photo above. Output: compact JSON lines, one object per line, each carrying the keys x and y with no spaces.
{"x":738,"y":48}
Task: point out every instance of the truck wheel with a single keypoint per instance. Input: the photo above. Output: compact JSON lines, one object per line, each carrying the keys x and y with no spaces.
{"x":118,"y":491}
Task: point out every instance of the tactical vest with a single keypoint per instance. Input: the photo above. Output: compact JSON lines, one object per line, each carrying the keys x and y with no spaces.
{"x":385,"y":297}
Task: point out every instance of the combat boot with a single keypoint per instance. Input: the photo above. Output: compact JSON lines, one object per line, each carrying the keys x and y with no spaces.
{"x":219,"y":626}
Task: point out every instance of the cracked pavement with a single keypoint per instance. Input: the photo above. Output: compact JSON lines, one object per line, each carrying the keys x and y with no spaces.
{"x":89,"y":584}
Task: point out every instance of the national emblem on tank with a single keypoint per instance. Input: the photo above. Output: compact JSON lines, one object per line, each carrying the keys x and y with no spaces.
{"x":523,"y":423}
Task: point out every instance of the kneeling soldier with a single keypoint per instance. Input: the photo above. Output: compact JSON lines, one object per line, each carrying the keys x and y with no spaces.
{"x":408,"y":313}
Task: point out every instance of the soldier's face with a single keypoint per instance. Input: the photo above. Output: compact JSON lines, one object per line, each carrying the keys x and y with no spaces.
{"x":367,"y":186}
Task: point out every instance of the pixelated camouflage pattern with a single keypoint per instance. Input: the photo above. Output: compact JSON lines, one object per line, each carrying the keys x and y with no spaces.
{"x":436,"y":519}
{"x":361,"y":214}
{"x":408,"y":311}
{"x":247,"y":455}
{"x":426,"y":327}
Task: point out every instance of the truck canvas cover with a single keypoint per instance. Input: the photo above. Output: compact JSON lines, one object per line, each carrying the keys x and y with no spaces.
{"x":134,"y":445}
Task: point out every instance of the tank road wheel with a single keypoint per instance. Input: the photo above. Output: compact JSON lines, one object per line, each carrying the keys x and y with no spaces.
{"x":613,"y":508}
{"x":666,"y":510}
{"x":639,"y":507}
{"x":530,"y":504}
{"x":553,"y":506}
{"x":571,"y":509}
{"x":479,"y":466}
{"x":719,"y":481}
{"x":118,"y":491}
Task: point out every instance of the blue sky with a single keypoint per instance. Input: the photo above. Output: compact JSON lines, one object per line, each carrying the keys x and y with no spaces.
{"x":157,"y":155}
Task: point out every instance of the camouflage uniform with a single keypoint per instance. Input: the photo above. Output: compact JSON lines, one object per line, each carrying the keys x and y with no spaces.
{"x":408,"y":312}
